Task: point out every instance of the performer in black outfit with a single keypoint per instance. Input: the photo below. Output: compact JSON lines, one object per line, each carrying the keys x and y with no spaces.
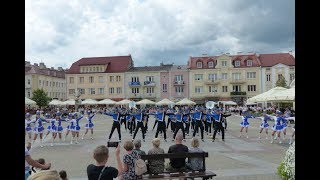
{"x":116,"y":122}
{"x":219,"y":123}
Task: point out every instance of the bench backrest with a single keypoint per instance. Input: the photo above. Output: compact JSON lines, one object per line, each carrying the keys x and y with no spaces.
{"x":202,"y":155}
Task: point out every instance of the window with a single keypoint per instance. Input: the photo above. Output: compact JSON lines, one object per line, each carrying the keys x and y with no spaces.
{"x":150,"y":90}
{"x":29,"y":94}
{"x":135,"y":90}
{"x":100,"y":69}
{"x":134,"y":79}
{"x":71,"y":91}
{"x":210,"y":64}
{"x":91,"y":79}
{"x":179,"y":89}
{"x":164,"y":88}
{"x":213,"y":89}
{"x":237,"y":63}
{"x":251,"y":75}
{"x":199,"y":64}
{"x":81,"y":80}
{"x":53,"y":84}
{"x":101,"y":80}
{"x":236,"y":88}
{"x":111,"y":90}
{"x":249,"y":62}
{"x":71,"y":80}
{"x":198,"y":77}
{"x":50,"y":83}
{"x":118,"y":78}
{"x":198,"y":89}
{"x":149,"y":78}
{"x":236,"y":76}
{"x":92,"y":91}
{"x":223,"y":63}
{"x":100,"y":90}
{"x":111,"y":78}
{"x":119,"y":90}
{"x":39,"y":82}
{"x":178,"y":78}
{"x":268,"y":69}
{"x":87,"y":69}
{"x":280,"y":76}
{"x":61,"y":84}
{"x":268,"y":77}
{"x":292,"y":77}
{"x":212,"y":77}
{"x":94,"y":69}
{"x":47,"y":83}
{"x":90,"y":69}
{"x":251,"y":87}
{"x":224,"y":88}
{"x":81,"y":90}
{"x":224,"y":76}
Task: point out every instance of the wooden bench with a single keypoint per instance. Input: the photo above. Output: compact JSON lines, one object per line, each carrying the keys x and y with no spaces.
{"x":179,"y":174}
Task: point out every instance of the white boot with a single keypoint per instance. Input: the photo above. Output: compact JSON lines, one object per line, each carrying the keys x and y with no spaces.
{"x":91,"y":136}
{"x":41,"y":143}
{"x":247,"y":135}
{"x":71,"y":140}
{"x":259,"y":135}
{"x":52,"y":142}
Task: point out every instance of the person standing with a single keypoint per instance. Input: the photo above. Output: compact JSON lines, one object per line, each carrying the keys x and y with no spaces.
{"x":218,"y":125}
{"x":89,"y":124}
{"x":198,"y":123}
{"x":139,"y":118}
{"x":116,"y":123}
{"x":179,"y":124}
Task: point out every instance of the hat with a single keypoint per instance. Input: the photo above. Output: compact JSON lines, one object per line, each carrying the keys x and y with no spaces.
{"x":27,"y":115}
{"x":47,"y":115}
{"x":38,"y":112}
{"x":58,"y":113}
{"x":279,"y":112}
{"x":70,"y":115}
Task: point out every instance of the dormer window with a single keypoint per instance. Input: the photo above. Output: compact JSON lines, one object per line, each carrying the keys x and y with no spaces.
{"x":249,"y":62}
{"x":199,"y":64}
{"x":237,"y":63}
{"x":210,"y":64}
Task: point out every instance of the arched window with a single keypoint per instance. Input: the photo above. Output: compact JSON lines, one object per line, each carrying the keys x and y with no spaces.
{"x":249,"y":62}
{"x":199,"y":64}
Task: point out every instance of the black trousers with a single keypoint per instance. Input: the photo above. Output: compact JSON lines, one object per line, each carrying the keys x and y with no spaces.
{"x":132,"y":125}
{"x":187,"y":127}
{"x":179,"y":125}
{"x":208,"y":126}
{"x":161,"y":127}
{"x":139,"y":125}
{"x":115,"y":125}
{"x":124,"y":121}
{"x":198,"y":124}
{"x":218,"y":126}
{"x":154,"y":125}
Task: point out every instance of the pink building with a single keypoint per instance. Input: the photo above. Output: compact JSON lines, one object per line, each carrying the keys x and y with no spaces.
{"x":179,"y":78}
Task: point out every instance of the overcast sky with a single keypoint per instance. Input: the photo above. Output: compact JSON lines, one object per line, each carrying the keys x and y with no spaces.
{"x":60,"y":32}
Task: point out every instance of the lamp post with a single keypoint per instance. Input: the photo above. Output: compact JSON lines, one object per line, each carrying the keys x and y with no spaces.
{"x":77,"y":101}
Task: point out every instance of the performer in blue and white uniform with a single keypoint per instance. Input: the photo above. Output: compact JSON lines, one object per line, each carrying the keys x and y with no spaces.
{"x":38,"y":128}
{"x":116,"y":122}
{"x":89,"y":124}
{"x":59,"y":128}
{"x":264,"y":123}
{"x":197,"y":115}
{"x":27,"y":126}
{"x":76,"y":128}
{"x":160,"y":116}
{"x":179,"y":124}
{"x":70,"y":126}
{"x":186,"y":120}
{"x":244,"y":123}
{"x":277,"y":127}
{"x":52,"y":127}
{"x":139,"y":116}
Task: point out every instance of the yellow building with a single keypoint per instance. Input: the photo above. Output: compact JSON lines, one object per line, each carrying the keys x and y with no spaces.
{"x":51,"y":80}
{"x":98,"y":77}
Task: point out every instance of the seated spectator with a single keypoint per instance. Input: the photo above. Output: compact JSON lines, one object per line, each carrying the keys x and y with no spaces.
{"x":63,"y":175}
{"x":100,"y":170}
{"x":45,"y":175}
{"x":195,"y":163}
{"x":137,"y":146}
{"x":156,"y":166}
{"x":177,"y":163}
{"x":31,"y":162}
{"x":34,"y":169}
{"x":128,"y":161}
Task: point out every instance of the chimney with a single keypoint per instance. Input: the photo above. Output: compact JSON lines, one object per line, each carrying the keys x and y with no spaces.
{"x":35,"y":64}
{"x":42,"y":66}
{"x":60,"y":69}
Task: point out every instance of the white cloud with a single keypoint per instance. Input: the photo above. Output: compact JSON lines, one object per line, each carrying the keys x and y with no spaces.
{"x":60,"y":32}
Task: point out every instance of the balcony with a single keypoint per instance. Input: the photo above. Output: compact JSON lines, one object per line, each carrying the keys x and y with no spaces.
{"x":149,"y":83}
{"x":134,"y":84}
{"x":238,"y":93}
{"x":237,"y":81}
{"x":212,"y":82}
{"x":178,"y":83}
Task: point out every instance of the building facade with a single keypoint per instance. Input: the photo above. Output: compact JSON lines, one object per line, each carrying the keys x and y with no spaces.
{"x":178,"y":83}
{"x":51,"y":80}
{"x":98,"y":77}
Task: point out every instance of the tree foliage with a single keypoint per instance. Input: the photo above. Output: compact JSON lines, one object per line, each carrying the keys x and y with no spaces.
{"x":40,"y":97}
{"x":281,"y":82}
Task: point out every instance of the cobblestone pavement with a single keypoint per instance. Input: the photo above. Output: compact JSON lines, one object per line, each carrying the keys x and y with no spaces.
{"x":235,"y":159}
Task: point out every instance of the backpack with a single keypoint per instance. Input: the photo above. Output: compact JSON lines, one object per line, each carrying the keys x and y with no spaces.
{"x":140,"y":167}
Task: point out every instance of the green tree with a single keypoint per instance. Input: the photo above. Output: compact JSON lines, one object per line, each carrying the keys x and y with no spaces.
{"x":282,"y":82}
{"x":40,"y":97}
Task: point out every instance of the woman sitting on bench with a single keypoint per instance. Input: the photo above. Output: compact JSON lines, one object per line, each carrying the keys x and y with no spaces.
{"x":195,"y":164}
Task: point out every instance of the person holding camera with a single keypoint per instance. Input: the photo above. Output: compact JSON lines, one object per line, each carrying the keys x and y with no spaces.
{"x":100,"y":170}
{"x":31,"y":162}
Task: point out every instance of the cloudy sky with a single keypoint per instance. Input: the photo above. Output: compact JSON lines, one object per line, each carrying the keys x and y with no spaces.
{"x":60,"y":32}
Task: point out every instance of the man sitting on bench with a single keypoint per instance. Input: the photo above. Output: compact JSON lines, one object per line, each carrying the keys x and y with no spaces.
{"x":177,"y":163}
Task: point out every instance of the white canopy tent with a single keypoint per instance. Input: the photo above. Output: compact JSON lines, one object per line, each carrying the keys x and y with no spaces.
{"x":55,"y":102}
{"x":145,"y":102}
{"x":286,"y":95}
{"x":107,"y":102}
{"x":165,"y":102}
{"x":227,"y":103}
{"x":69,"y":102}
{"x":28,"y":101}
{"x":123,"y":102}
{"x":262,"y":97}
{"x":185,"y":101}
{"x":89,"y":102}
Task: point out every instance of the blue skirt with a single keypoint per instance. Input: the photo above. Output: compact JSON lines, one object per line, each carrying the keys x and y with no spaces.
{"x":264,"y":125}
{"x":244,"y":124}
{"x":90,"y":125}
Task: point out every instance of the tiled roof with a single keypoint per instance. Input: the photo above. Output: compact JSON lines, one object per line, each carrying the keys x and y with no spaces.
{"x":179,"y":68}
{"x":268,"y":60}
{"x":32,"y":69}
{"x":115,"y":64}
{"x":243,"y":60}
{"x":151,"y":68}
{"x":205,"y":59}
